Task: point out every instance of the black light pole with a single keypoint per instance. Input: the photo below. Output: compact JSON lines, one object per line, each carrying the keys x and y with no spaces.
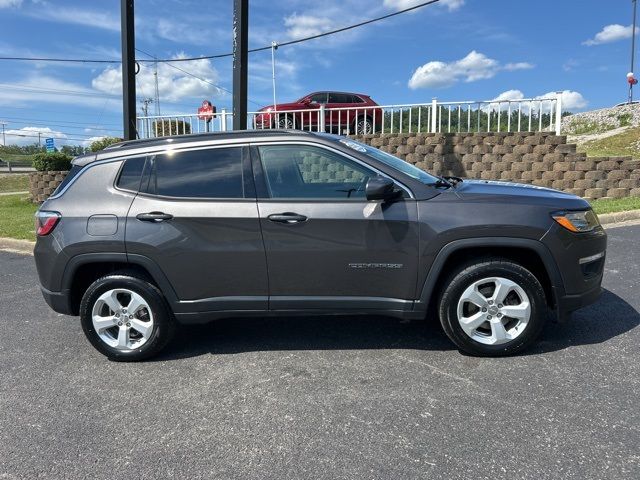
{"x":127,"y":34}
{"x":240,"y":61}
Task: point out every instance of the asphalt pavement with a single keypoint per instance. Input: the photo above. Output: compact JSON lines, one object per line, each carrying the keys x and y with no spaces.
{"x":328,"y":398}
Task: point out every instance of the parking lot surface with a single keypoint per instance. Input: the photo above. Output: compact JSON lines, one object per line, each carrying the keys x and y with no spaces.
{"x":327,"y":398}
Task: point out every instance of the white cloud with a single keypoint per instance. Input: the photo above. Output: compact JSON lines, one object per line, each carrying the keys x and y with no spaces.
{"x":509,"y":95}
{"x":89,"y":141}
{"x":29,"y":136}
{"x":475,"y":66}
{"x":451,"y":5}
{"x":518,"y":66}
{"x":173,"y":84}
{"x":611,"y":33}
{"x":570,"y":100}
{"x":299,"y":26}
{"x":10,"y":3}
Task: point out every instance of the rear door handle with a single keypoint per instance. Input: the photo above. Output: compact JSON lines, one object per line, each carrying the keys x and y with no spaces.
{"x":287,"y":217}
{"x":154,"y":216}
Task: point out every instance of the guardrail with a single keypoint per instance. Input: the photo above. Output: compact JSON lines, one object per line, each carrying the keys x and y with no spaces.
{"x":532,"y":114}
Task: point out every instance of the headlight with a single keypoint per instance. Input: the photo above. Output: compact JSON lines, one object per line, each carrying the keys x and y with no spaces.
{"x":584,"y":221}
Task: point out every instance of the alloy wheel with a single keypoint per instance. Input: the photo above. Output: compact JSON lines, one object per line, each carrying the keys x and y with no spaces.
{"x":122,"y":319}
{"x":494,"y":310}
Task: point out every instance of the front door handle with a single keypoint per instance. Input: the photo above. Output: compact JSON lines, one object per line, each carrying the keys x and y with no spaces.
{"x":154,"y":216}
{"x":287,"y":217}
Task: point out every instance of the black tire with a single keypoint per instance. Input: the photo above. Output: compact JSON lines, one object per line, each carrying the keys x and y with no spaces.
{"x":363,"y":125}
{"x":163,"y":320}
{"x":472,"y":272}
{"x":285,"y":122}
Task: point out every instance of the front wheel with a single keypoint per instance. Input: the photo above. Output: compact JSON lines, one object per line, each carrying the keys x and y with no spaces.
{"x":493,"y":307}
{"x":126,"y":318}
{"x":285,"y":122}
{"x":363,"y":126}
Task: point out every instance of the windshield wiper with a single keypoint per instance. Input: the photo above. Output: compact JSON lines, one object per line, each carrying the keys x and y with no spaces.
{"x":441,"y":182}
{"x":453,"y":180}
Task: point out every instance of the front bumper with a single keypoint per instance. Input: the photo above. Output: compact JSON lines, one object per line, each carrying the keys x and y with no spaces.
{"x":566,"y":304}
{"x":580,"y":259}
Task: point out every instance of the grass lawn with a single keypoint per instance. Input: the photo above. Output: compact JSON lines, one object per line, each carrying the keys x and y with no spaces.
{"x":13,"y":182}
{"x":16,"y":217}
{"x":620,"y":145}
{"x":615,"y":205}
{"x":17,"y":159}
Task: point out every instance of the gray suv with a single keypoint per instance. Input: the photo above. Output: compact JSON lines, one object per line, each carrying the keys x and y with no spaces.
{"x":148,"y":234}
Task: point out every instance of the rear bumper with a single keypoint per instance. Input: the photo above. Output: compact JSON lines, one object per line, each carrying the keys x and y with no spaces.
{"x":58,"y":301}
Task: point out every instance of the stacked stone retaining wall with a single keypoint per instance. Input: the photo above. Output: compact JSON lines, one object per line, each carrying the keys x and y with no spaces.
{"x":43,"y":184}
{"x":542,"y":159}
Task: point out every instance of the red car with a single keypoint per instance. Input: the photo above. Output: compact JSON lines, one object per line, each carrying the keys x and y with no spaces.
{"x":344,"y":112}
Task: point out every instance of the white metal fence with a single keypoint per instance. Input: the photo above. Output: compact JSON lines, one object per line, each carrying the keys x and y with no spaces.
{"x":524,"y":115}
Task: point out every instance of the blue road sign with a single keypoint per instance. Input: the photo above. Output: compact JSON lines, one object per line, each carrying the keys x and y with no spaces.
{"x":51,"y":147}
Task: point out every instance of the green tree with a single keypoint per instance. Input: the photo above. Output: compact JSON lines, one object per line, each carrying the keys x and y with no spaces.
{"x":103,"y":143}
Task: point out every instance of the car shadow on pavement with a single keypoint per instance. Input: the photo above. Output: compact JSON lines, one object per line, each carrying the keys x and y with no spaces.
{"x":238,"y":335}
{"x":609,"y":317}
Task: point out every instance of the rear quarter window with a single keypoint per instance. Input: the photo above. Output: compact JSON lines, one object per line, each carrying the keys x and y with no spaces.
{"x":75,"y":170}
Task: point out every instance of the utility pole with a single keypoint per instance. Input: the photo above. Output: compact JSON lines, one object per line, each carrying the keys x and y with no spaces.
{"x":155,"y":74}
{"x":240,"y":61}
{"x":127,"y":34}
{"x":4,"y":140}
{"x":145,"y":106}
{"x":633,"y":48}
{"x":274,"y":47}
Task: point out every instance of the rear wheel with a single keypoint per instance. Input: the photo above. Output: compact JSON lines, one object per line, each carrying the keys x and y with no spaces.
{"x":493,"y":307}
{"x":126,"y":318}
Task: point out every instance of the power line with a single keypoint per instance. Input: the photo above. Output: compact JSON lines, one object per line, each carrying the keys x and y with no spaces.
{"x":59,"y":91}
{"x":196,"y":76}
{"x":223,"y":55}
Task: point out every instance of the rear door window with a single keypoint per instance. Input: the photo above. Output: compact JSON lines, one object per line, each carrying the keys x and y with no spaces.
{"x":211,"y":173}
{"x":339,"y":98}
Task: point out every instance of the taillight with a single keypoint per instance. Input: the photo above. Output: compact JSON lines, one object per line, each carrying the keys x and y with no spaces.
{"x":46,"y":222}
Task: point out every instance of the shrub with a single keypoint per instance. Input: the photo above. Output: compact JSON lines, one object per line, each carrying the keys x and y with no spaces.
{"x":103,"y":143}
{"x":51,"y":161}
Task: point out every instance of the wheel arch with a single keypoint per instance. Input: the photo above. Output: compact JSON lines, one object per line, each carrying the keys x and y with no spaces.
{"x":84,"y":269}
{"x":531,"y":254}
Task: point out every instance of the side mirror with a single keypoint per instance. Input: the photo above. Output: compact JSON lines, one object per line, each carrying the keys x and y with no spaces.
{"x":380,"y":188}
{"x":306,"y":101}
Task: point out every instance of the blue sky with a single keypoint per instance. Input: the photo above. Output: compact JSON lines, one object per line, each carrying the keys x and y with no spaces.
{"x":455,"y":50}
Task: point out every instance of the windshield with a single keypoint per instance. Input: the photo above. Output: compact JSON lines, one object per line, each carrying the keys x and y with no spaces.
{"x":392,"y":161}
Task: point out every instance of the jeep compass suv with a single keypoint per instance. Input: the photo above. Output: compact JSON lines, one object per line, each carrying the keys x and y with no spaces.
{"x":148,"y":234}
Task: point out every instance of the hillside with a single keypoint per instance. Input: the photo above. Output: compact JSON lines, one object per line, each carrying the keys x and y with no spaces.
{"x":606,"y":132}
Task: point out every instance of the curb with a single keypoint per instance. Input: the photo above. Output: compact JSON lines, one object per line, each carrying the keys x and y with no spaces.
{"x":609,"y":218}
{"x":23,"y":247}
